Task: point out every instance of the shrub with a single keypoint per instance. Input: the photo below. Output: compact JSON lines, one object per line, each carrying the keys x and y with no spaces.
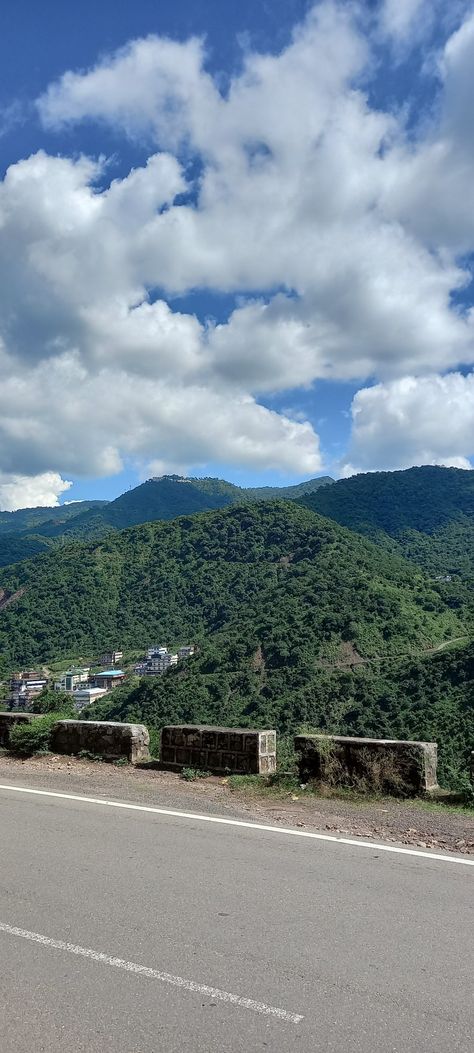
{"x":155,"y":741}
{"x":191,"y":774}
{"x":34,"y":737}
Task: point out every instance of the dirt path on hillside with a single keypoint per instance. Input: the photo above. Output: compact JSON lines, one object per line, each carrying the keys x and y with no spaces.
{"x":401,"y":822}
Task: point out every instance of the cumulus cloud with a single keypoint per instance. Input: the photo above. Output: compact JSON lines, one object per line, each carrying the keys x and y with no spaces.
{"x":342,"y":238}
{"x":413,"y":420}
{"x":26,"y":491}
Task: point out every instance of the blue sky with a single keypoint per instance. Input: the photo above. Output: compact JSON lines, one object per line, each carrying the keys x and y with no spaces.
{"x":283,"y":290}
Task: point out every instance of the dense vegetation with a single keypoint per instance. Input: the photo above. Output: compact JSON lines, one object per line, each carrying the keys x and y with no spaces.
{"x":428,"y":698}
{"x":269,"y":574}
{"x":297,"y":619}
{"x":425,"y":514}
{"x":29,"y":530}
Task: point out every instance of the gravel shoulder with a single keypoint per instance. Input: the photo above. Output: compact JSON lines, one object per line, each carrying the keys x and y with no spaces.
{"x":401,"y":822}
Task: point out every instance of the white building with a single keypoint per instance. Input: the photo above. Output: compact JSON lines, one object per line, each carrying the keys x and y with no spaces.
{"x":154,"y":651}
{"x":187,"y":651}
{"x":83,"y":696}
{"x":72,"y":678}
{"x":26,"y":686}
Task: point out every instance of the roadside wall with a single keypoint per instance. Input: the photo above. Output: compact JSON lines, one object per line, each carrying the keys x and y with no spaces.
{"x":105,"y":738}
{"x":8,"y":720}
{"x":400,"y":768}
{"x":238,"y":750}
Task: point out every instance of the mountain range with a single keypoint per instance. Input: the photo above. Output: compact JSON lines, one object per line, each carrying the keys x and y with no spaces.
{"x":358,"y":620}
{"x":29,"y":531}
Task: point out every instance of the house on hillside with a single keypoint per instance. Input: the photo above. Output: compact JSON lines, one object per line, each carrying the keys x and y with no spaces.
{"x":187,"y":651}
{"x":84,"y":696}
{"x":111,"y":658}
{"x":72,"y":678}
{"x":109,"y":679}
{"x":25,"y":686}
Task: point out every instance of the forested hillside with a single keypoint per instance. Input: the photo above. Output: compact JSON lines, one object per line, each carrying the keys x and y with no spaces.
{"x":429,"y":698}
{"x":28,"y":531}
{"x":296,"y":619}
{"x":164,"y":498}
{"x":269,"y":575}
{"x":425,"y":514}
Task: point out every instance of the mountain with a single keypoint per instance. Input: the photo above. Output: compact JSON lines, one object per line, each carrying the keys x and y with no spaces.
{"x":272,"y":569}
{"x":424,"y":514}
{"x":22,"y":532}
{"x":297,"y":620}
{"x":28,"y":531}
{"x":43,"y":520}
{"x":173,"y":495}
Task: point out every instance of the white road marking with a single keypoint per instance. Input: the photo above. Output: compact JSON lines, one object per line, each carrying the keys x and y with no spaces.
{"x":196,"y":816}
{"x":154,"y":974}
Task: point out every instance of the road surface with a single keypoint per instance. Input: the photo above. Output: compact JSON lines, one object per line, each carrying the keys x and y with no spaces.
{"x":135,"y":931}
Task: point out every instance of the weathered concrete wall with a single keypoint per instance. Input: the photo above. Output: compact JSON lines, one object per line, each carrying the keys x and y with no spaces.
{"x":391,"y":766}
{"x":238,"y":750}
{"x":8,"y":720}
{"x":103,"y":737}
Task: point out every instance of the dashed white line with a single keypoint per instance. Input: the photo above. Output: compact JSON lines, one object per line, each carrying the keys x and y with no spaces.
{"x":154,"y":974}
{"x":220,"y":820}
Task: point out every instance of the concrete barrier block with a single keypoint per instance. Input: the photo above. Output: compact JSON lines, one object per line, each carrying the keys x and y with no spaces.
{"x":400,"y":768}
{"x":238,"y":750}
{"x":107,"y":738}
{"x":8,"y":720}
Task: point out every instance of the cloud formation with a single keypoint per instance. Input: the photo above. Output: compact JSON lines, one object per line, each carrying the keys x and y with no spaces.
{"x":26,"y":491}
{"x":343,"y":235}
{"x":415,"y":420}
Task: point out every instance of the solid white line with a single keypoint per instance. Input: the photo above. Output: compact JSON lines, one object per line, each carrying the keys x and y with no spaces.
{"x":154,"y":974}
{"x":242,"y":823}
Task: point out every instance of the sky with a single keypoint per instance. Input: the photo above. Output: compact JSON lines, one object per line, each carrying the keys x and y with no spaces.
{"x":236,"y":239}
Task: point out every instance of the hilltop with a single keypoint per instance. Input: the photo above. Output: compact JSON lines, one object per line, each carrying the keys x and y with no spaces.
{"x":32,"y":530}
{"x":271,"y":572}
{"x":425,"y":514}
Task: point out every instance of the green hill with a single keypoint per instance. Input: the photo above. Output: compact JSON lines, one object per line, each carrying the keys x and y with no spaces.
{"x":297,"y":584}
{"x":296,"y":619}
{"x":28,"y":531}
{"x":425,"y":514}
{"x":43,"y":519}
{"x":165,"y":498}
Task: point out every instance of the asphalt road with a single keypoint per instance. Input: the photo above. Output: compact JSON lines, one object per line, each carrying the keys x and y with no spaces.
{"x":240,"y":932}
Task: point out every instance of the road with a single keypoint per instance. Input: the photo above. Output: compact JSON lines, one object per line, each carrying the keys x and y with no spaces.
{"x":134,"y":931}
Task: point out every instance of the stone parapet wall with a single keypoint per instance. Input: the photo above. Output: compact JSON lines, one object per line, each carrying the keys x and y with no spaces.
{"x":8,"y":720}
{"x":401,"y":768}
{"x":238,"y":750}
{"x":108,"y":739}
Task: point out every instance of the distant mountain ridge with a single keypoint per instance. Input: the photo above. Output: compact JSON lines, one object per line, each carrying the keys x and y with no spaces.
{"x":29,"y":531}
{"x":425,"y":514}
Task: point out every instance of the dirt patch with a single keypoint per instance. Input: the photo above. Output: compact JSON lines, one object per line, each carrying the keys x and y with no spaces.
{"x":6,"y":598}
{"x":401,"y":822}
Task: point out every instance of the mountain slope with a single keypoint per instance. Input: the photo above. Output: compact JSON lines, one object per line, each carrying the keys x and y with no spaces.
{"x":425,"y":514}
{"x":164,"y":498}
{"x":171,"y":496}
{"x":283,"y":605}
{"x":274,"y":573}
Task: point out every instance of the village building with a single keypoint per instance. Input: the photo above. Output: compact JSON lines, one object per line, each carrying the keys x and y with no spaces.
{"x":83,"y":696}
{"x":109,"y":679}
{"x":25,"y":686}
{"x":72,"y":678}
{"x":111,"y":658}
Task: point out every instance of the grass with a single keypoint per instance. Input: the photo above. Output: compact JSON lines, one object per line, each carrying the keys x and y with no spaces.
{"x":282,"y":786}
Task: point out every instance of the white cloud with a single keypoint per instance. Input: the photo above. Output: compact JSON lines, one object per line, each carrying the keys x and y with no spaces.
{"x":26,"y":491}
{"x":413,"y":420}
{"x":340,"y":235}
{"x":399,"y":18}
